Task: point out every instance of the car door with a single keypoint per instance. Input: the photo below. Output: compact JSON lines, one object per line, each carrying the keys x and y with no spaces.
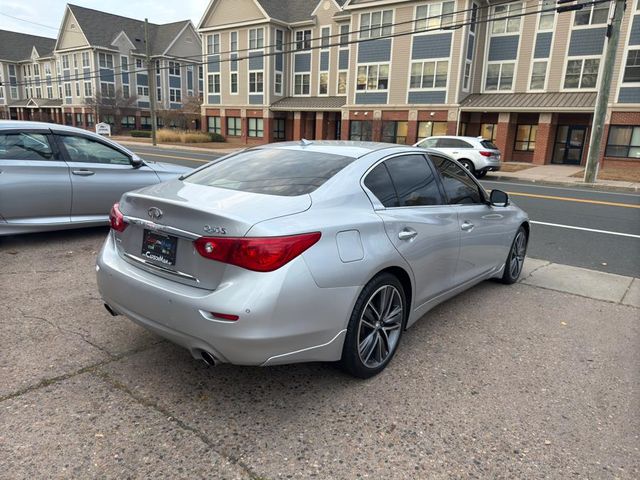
{"x":420,"y":225}
{"x":100,"y":174}
{"x":483,"y":228}
{"x":35,"y":187}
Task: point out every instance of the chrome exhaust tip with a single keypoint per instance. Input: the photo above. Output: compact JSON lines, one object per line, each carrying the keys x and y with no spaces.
{"x":208,"y":358}
{"x":111,"y":310}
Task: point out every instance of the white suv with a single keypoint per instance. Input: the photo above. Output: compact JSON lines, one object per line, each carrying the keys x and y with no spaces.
{"x":476,"y":154}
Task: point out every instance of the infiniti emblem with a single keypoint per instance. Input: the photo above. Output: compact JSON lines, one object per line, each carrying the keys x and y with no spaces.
{"x":154,"y":213}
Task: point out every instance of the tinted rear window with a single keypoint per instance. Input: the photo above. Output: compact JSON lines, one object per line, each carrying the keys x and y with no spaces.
{"x":488,"y":144}
{"x":272,"y":171}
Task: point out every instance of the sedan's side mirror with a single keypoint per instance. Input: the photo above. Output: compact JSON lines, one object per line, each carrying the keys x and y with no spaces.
{"x":498,"y":198}
{"x":136,"y":161}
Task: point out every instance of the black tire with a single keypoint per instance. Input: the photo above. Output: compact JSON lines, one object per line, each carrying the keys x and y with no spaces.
{"x":468,"y":164}
{"x":481,"y":174}
{"x":517,"y":254}
{"x":388,"y":338}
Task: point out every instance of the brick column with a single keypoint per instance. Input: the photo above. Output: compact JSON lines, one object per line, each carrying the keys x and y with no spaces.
{"x":505,"y":135}
{"x":452,"y":127}
{"x":297,"y":126}
{"x":544,"y":140}
{"x":319,"y":134}
{"x":267,"y":124}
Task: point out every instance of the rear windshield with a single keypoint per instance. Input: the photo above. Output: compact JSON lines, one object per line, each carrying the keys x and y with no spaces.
{"x":272,"y":171}
{"x":489,"y":145}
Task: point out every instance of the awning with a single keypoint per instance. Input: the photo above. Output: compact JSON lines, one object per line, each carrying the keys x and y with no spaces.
{"x":533,"y":102}
{"x":309,"y":104}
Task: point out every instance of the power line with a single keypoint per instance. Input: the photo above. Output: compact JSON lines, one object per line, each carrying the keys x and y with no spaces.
{"x":318,"y":47}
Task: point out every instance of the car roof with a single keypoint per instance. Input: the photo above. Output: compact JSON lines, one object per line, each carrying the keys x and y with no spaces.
{"x":30,"y":125}
{"x":345,"y":148}
{"x":477,"y":139}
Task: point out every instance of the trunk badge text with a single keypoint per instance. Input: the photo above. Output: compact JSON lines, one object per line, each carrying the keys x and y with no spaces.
{"x":155,"y":213}
{"x":218,"y":230}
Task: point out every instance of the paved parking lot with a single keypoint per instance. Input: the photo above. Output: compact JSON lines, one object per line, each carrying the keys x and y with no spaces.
{"x":501,"y":382}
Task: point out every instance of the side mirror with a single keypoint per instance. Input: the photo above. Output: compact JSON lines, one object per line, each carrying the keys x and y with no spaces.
{"x":136,"y":161}
{"x":498,"y":198}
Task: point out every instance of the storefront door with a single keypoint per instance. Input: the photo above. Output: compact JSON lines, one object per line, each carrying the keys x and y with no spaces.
{"x":569,"y":144}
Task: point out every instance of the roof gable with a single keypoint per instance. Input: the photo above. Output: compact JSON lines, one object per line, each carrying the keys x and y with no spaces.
{"x":71,"y":34}
{"x":223,"y":12}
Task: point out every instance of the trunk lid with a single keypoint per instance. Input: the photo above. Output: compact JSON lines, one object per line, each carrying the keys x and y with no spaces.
{"x":177,"y":212}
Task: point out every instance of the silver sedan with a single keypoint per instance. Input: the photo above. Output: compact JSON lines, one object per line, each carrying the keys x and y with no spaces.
{"x":311,"y":251}
{"x":55,"y":177}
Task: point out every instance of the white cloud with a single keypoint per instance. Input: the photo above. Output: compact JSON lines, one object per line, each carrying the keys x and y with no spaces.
{"x":48,"y":13}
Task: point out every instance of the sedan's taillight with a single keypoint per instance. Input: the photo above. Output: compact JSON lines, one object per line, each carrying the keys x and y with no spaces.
{"x":485,"y":153}
{"x":116,"y":219}
{"x":260,"y":254}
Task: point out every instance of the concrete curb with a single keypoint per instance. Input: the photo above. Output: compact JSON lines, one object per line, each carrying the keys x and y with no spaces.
{"x":558,"y":183}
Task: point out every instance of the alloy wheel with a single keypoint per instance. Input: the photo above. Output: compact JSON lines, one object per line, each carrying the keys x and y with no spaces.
{"x":518,"y":251}
{"x":380,"y":326}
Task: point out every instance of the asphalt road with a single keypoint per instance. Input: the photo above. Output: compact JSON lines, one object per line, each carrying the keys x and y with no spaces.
{"x":573,"y":212}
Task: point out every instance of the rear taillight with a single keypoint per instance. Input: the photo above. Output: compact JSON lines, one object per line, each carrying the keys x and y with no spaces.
{"x":486,"y":154}
{"x":116,"y":219}
{"x":260,"y":254}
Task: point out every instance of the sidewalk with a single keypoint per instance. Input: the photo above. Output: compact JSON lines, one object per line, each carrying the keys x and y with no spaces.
{"x":559,"y":175}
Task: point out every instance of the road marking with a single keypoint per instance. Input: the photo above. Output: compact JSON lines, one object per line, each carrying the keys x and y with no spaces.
{"x":571,"y":199}
{"x":571,"y":227}
{"x":565,"y":189}
{"x":176,"y":157}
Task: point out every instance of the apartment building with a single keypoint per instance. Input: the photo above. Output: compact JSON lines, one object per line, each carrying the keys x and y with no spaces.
{"x":400,"y":70}
{"x":96,"y":71}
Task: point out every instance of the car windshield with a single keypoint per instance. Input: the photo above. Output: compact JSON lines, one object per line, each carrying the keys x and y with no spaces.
{"x":272,"y":171}
{"x":489,"y":145}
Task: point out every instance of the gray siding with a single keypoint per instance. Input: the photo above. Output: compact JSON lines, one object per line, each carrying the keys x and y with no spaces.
{"x":279,"y":62}
{"x":324,"y":61}
{"x":175,"y":106}
{"x":302,"y":62}
{"x":234,"y":62}
{"x":634,"y":39}
{"x":428,"y":97}
{"x":255,"y":99}
{"x":629,"y":95}
{"x":470,"y":45}
{"x":174,"y":82}
{"x":371,"y":98}
{"x":431,"y":46}
{"x":589,"y":41}
{"x":375,"y":51}
{"x":543,"y":45}
{"x":213,"y":99}
{"x":343,"y":60}
{"x":143,"y":104}
{"x":142,"y":80}
{"x":256,"y":60}
{"x":214,"y":63}
{"x":504,"y":47}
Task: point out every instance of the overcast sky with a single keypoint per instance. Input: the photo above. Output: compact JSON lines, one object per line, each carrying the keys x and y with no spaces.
{"x":50,"y":12}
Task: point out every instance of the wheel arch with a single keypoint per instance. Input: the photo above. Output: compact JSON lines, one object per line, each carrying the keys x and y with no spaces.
{"x":405,"y":280}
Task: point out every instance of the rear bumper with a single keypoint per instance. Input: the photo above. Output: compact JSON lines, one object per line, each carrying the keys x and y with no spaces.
{"x":284,"y":316}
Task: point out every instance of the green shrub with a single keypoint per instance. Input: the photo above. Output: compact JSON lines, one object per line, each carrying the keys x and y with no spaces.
{"x":216,"y":137}
{"x":141,"y":133}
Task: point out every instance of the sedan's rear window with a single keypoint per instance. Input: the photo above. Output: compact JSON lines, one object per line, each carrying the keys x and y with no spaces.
{"x":488,"y":144}
{"x":272,"y":171}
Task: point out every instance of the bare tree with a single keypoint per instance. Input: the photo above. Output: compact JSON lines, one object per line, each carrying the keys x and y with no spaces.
{"x":115,"y":105}
{"x":184,"y":118}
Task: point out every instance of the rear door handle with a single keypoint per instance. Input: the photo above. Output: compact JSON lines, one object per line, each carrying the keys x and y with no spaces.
{"x":83,"y":173}
{"x":407,"y":234}
{"x":467,"y":226}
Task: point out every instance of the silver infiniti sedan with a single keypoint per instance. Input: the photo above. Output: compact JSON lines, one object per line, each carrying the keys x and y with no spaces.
{"x":54,"y":177}
{"x":311,"y":251}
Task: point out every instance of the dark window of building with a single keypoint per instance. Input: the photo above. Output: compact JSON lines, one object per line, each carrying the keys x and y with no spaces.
{"x":256,"y":127}
{"x":68,"y":119}
{"x":279,"y":132}
{"x":632,"y":67}
{"x":623,"y":141}
{"x":431,"y":129}
{"x":234,"y":126}
{"x":128,"y":121}
{"x":361,"y":130}
{"x":79,"y":120}
{"x":394,"y":132}
{"x":214,"y":125}
{"x":458,"y":186}
{"x":526,"y":138}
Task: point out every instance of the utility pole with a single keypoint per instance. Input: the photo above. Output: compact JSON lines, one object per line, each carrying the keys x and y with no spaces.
{"x":151,"y":75}
{"x":602,"y":100}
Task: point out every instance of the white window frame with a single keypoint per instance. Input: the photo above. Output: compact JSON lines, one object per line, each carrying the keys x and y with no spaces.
{"x":102,"y":64}
{"x":65,"y":62}
{"x":141,"y":89}
{"x":172,"y":68}
{"x":175,"y":95}
{"x":278,"y":48}
{"x":366,"y":32}
{"x":328,"y":38}
{"x":324,"y":72}
{"x":231,"y":83}
{"x":214,"y":85}
{"x":628,"y":50}
{"x":591,"y":8}
{"x":514,"y":8}
{"x":435,"y":61}
{"x":546,"y":75}
{"x":466,"y":79}
{"x":437,"y":16}
{"x":233,"y":34}
{"x":498,"y":89}
{"x":301,"y":74}
{"x":582,"y":59}
{"x":254,"y":43}
{"x":86,"y":60}
{"x":303,"y":40}
{"x":213,"y":44}
{"x":278,"y":86}
{"x":257,"y":121}
{"x":372,"y":64}
{"x":346,"y":82}
{"x":255,"y":82}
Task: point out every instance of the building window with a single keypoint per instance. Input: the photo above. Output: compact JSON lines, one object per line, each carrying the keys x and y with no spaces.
{"x":126,"y":91}
{"x":79,"y":121}
{"x":256,"y":127}
{"x":36,"y":70}
{"x":504,"y":21}
{"x":145,"y":123}
{"x":277,"y":84}
{"x":429,"y":74}
{"x":376,"y":24}
{"x":234,"y":126}
{"x":143,"y":91}
{"x":344,"y":35}
{"x":233,"y":41}
{"x":373,"y":77}
{"x":213,"y":82}
{"x":303,"y":39}
{"x":433,"y":16}
{"x":85,"y":59}
{"x":360,"y":130}
{"x":592,"y":14}
{"x":323,"y":87}
{"x":325,"y":37}
{"x":233,"y":83}
{"x":430,"y":129}
{"x":499,"y":76}
{"x":175,"y":95}
{"x":105,"y":60}
{"x":301,"y":83}
{"x":526,"y":138}
{"x":394,"y":132}
{"x":67,"y":89}
{"x":488,"y":131}
{"x":89,"y":119}
{"x":128,"y":121}
{"x":107,"y":90}
{"x":50,"y":92}
{"x":77,"y":89}
{"x":547,"y":19}
{"x":124,"y":63}
{"x":342,"y":82}
{"x":138,"y":63}
{"x":582,"y":73}
{"x":65,"y":61}
{"x":279,"y":132}
{"x":256,"y":82}
{"x":632,"y":67}
{"x":624,"y":141}
{"x":538,"y":75}
{"x":174,"y":69}
{"x":214,"y":125}
{"x":68,"y":119}
{"x":467,"y":75}
{"x":256,"y":38}
{"x":213,"y":44}
{"x":88,"y":90}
